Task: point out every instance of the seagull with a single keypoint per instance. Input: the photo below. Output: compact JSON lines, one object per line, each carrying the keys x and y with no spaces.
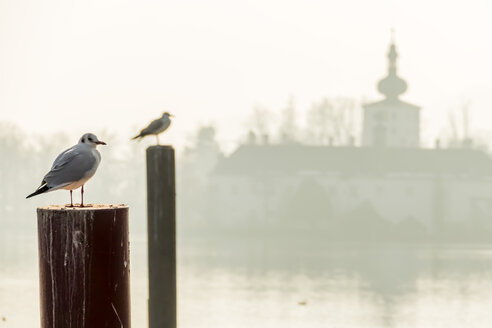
{"x":73,"y":168}
{"x":156,"y":126}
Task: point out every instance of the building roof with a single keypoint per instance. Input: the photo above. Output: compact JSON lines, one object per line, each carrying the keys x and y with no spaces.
{"x":394,"y":103}
{"x":288,"y":159}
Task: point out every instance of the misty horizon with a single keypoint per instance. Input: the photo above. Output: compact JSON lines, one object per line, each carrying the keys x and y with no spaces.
{"x":333,"y":161}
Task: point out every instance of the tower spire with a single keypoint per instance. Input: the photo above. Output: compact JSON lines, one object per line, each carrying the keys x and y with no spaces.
{"x":392,"y":85}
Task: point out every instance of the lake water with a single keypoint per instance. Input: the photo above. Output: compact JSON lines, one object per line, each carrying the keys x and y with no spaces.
{"x":290,"y":284}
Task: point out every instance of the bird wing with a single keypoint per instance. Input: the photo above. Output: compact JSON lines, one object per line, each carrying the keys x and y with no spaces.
{"x":63,"y":157}
{"x":154,"y":127}
{"x":70,"y":166}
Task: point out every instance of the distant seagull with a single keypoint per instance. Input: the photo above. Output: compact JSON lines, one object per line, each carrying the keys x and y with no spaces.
{"x":73,"y":168}
{"x":156,"y":127}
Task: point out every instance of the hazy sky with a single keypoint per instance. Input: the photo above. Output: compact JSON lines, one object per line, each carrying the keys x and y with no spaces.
{"x":80,"y":66}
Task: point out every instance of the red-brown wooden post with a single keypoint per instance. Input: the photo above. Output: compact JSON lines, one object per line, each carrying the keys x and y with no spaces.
{"x":84,"y":266}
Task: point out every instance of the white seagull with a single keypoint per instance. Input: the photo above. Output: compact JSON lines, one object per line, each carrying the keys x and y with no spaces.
{"x":72,"y":168}
{"x":155,"y":127}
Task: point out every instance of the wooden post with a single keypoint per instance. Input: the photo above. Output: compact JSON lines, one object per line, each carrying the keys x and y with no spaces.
{"x":84,"y":266}
{"x":161,"y":225}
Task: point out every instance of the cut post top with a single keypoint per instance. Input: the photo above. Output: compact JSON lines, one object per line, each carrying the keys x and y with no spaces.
{"x":160,"y":147}
{"x":87,"y":207}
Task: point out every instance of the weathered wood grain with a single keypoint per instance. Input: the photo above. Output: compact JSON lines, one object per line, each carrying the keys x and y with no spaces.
{"x":84,"y":266}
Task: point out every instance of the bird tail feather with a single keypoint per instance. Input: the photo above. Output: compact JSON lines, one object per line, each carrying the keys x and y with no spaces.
{"x":135,"y":137}
{"x":40,"y":190}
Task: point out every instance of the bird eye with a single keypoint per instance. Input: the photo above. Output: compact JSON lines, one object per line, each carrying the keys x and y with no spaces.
{"x":90,"y":139}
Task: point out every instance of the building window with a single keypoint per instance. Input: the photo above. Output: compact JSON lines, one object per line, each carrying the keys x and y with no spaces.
{"x":380,"y":135}
{"x":255,"y":187}
{"x":380,"y":116}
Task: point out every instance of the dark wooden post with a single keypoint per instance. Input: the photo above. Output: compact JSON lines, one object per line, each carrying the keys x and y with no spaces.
{"x":84,"y":266}
{"x":161,"y":225}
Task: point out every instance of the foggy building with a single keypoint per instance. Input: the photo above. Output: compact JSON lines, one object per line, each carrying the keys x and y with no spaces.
{"x":389,"y":178}
{"x":391,"y":122}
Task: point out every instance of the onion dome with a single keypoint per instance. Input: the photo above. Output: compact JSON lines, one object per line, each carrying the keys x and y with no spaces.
{"x":392,"y":85}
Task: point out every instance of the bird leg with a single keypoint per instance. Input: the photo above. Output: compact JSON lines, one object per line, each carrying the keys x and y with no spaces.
{"x":71,"y":202}
{"x":157,"y":137}
{"x":82,"y":196}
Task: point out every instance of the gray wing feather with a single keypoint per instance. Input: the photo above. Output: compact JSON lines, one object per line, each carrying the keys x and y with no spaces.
{"x":63,"y":157}
{"x":154,"y":127}
{"x":70,"y":166}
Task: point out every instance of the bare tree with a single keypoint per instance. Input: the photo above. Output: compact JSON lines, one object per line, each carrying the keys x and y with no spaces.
{"x":289,"y":122}
{"x":260,"y":121}
{"x":458,"y":127}
{"x":331,"y":121}
{"x":195,"y":167}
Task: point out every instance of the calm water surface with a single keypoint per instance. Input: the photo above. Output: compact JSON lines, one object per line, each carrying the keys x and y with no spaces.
{"x":280,"y":284}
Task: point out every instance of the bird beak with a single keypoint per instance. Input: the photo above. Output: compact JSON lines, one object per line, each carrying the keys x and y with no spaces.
{"x":100,"y":143}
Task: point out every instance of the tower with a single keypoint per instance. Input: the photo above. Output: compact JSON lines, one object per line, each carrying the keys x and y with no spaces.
{"x":391,"y":122}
